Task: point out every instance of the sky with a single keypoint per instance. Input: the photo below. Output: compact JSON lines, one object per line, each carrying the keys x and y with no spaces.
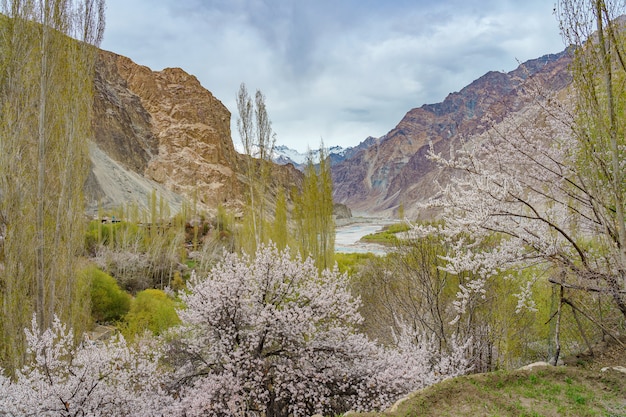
{"x":332,"y":70}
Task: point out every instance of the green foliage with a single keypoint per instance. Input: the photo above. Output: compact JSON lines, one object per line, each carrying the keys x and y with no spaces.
{"x":80,"y":311}
{"x":114,"y":235}
{"x":151,"y":310}
{"x":224,"y":222}
{"x":178,"y":284}
{"x":410,"y":285}
{"x":145,"y":252}
{"x":278,"y":231}
{"x":108,"y":301}
{"x":551,"y":391}
{"x":313,"y":213}
{"x":46,"y":103}
{"x":246,"y":238}
{"x":351,"y":263}
{"x":387,"y":236}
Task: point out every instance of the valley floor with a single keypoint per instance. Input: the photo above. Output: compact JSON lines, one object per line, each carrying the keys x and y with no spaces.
{"x":349,"y":232}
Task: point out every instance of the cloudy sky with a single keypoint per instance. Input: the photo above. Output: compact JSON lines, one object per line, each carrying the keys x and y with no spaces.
{"x":337,"y":70}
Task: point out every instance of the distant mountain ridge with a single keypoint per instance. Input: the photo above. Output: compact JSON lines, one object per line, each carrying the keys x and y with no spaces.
{"x":394,"y":170}
{"x":284,"y":155}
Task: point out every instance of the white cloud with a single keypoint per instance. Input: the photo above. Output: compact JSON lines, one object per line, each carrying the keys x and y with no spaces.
{"x":337,"y":70}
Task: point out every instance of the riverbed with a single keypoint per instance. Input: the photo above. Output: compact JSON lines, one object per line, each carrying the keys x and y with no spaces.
{"x":347,"y":237}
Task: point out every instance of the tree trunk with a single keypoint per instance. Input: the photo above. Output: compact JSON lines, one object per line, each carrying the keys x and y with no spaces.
{"x":40,"y":305}
{"x":557,"y":328}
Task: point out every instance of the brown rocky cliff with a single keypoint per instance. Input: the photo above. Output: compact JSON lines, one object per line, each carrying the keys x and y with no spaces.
{"x":195,"y":149}
{"x":162,"y":130}
{"x":122,"y":126}
{"x":396,"y":170}
{"x":167,"y":128}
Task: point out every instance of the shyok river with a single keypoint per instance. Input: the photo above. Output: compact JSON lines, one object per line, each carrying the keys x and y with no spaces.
{"x":347,"y":238}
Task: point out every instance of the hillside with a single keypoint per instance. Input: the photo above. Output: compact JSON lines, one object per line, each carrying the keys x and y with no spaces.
{"x":582,"y":388}
{"x":542,"y":391}
{"x":394,"y":170}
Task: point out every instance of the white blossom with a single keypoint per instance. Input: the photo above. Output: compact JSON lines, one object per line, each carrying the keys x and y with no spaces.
{"x":91,"y":379}
{"x":273,"y":336}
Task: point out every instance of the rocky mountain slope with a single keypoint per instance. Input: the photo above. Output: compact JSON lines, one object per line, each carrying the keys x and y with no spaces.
{"x":394,"y":170}
{"x":161,"y":130}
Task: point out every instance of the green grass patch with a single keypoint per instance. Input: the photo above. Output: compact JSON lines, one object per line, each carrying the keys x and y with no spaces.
{"x":351,"y":262}
{"x":546,"y":392}
{"x":387,"y":236}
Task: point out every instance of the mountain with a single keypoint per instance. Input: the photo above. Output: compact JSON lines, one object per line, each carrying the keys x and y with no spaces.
{"x":284,"y":155}
{"x":394,"y":171}
{"x":163,"y":131}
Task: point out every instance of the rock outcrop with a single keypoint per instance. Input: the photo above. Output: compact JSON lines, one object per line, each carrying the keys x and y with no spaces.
{"x":161,"y":130}
{"x":341,"y":211}
{"x":394,"y":170}
{"x":165,"y":127}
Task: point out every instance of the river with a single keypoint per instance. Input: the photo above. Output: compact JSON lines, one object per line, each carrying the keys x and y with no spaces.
{"x":347,"y":238}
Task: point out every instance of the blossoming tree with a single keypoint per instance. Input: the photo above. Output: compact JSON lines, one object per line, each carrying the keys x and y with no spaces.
{"x":548,"y":181}
{"x":270,"y":336}
{"x":91,"y":379}
{"x":274,"y":336}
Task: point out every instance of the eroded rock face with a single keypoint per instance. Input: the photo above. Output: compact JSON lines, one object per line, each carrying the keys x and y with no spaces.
{"x":122,"y":126}
{"x":394,"y":170}
{"x":163,"y":131}
{"x":166,"y":127}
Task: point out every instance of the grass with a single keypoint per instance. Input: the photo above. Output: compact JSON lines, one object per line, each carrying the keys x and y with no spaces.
{"x":544,"y":391}
{"x":350,"y":262}
{"x":387,"y":236}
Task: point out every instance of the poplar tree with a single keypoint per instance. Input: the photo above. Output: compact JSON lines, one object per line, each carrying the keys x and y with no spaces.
{"x":47,"y":57}
{"x":279,"y":232}
{"x":313,"y":212}
{"x":258,"y":140}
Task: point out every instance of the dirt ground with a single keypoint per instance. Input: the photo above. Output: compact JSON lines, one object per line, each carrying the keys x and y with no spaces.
{"x":604,"y":354}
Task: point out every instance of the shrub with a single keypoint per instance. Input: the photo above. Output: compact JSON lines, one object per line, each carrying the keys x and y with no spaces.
{"x":108,"y":301}
{"x":150,"y":310}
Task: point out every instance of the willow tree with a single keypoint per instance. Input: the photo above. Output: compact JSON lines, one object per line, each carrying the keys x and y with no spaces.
{"x":47,"y":58}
